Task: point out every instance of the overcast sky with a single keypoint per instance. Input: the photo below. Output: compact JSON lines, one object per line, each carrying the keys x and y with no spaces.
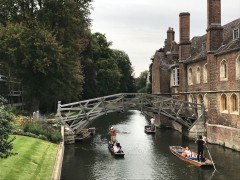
{"x":138,"y":27}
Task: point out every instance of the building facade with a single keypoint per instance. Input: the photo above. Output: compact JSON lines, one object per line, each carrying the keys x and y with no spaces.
{"x":204,"y":69}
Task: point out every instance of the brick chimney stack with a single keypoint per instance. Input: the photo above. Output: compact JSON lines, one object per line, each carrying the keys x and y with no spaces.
{"x":170,"y":38}
{"x":184,"y":49}
{"x":214,"y":28}
{"x":184,"y":36}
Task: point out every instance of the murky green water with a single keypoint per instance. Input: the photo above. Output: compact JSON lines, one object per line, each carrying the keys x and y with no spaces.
{"x":146,"y":156}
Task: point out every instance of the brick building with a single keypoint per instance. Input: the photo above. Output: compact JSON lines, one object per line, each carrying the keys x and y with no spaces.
{"x":204,"y":69}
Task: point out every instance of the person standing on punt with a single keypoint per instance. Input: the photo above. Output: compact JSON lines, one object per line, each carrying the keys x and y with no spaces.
{"x":200,"y":146}
{"x":113,"y":134}
{"x":152,"y":124}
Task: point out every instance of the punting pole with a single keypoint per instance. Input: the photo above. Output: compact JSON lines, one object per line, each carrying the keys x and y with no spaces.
{"x":211,"y":157}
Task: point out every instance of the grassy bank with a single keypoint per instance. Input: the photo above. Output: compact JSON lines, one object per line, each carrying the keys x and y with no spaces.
{"x":35,"y":160}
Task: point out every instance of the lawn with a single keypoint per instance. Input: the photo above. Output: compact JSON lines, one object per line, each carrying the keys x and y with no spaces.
{"x":35,"y":160}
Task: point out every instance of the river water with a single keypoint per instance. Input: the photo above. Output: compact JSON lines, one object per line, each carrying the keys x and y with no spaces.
{"x":147,"y":157}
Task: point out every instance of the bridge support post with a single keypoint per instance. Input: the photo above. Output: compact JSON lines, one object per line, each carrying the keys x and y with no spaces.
{"x":198,"y":129}
{"x":59,"y":109}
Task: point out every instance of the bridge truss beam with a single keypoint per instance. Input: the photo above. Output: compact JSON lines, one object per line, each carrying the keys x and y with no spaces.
{"x":76,"y":115}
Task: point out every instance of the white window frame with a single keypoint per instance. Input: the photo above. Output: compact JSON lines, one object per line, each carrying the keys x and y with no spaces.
{"x":175,"y":76}
{"x":204,"y":46}
{"x":236,"y":33}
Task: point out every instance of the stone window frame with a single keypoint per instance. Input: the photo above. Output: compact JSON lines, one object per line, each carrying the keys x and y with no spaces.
{"x":223,"y":70}
{"x":190,"y":98}
{"x":223,"y":103}
{"x":234,"y":102}
{"x":198,"y":75}
{"x":238,"y":68}
{"x":199,"y":101}
{"x":190,"y":76}
{"x":205,"y":101}
{"x":205,"y":73}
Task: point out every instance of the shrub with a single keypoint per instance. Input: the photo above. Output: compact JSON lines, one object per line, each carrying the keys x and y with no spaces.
{"x":55,"y":136}
{"x":34,"y":128}
{"x":43,"y":130}
{"x":6,"y":144}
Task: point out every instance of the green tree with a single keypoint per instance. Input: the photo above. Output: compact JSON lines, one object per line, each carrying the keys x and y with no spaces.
{"x":48,"y":73}
{"x":109,"y":71}
{"x":127,"y":83}
{"x":34,"y":56}
{"x":107,"y":74}
{"x":108,"y":77}
{"x":6,"y":144}
{"x":142,"y":82}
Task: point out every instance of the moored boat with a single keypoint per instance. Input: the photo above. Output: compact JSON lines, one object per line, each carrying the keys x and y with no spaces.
{"x":85,"y":134}
{"x":115,"y":149}
{"x":148,"y":129}
{"x":178,"y":150}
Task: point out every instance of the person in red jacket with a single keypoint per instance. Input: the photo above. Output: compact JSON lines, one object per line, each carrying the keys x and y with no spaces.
{"x":113,"y":134}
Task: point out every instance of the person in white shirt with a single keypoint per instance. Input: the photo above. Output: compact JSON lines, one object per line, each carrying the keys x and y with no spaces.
{"x":152,"y":123}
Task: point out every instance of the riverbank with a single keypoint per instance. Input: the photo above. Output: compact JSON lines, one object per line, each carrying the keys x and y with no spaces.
{"x":35,"y":159}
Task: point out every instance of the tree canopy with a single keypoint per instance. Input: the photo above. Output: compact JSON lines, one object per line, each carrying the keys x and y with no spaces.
{"x":49,"y":47}
{"x":143,"y":84}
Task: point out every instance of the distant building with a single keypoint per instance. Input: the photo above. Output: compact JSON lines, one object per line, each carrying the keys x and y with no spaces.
{"x":205,"y":69}
{"x":10,"y":88}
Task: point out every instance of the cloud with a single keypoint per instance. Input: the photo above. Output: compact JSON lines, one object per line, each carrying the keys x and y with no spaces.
{"x":138,"y":27}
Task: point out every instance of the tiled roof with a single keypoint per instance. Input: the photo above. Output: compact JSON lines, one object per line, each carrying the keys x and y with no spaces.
{"x":198,"y":51}
{"x":229,"y":43}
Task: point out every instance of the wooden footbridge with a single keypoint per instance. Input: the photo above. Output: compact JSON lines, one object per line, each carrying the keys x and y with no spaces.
{"x":77,"y":115}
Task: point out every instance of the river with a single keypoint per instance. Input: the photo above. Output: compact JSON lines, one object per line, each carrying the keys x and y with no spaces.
{"x":147,"y":157}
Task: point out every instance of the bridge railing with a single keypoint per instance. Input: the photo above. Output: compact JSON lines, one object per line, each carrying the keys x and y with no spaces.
{"x":79,"y":114}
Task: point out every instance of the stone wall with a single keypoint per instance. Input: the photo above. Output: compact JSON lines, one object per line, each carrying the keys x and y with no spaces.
{"x":225,"y":136}
{"x":165,"y":122}
{"x":69,"y":137}
{"x":198,"y":129}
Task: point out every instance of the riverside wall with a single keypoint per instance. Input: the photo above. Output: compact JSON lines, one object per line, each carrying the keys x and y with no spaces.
{"x":56,"y":174}
{"x":225,"y":136}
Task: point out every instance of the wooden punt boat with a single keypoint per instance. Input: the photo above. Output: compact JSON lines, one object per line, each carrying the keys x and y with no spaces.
{"x":148,"y":129}
{"x":177,"y":151}
{"x":119,"y":153}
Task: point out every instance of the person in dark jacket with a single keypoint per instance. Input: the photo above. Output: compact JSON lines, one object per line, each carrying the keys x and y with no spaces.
{"x":200,"y":147}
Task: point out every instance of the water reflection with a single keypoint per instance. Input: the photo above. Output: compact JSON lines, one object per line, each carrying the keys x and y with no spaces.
{"x":146,"y":156}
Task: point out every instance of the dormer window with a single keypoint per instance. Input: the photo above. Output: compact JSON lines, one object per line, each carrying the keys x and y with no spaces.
{"x":204,"y":46}
{"x":236,"y":33}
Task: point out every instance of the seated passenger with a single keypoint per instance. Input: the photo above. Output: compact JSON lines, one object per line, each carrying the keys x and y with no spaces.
{"x":119,"y":146}
{"x":186,"y":152}
{"x":116,"y":149}
{"x":194,"y":155}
